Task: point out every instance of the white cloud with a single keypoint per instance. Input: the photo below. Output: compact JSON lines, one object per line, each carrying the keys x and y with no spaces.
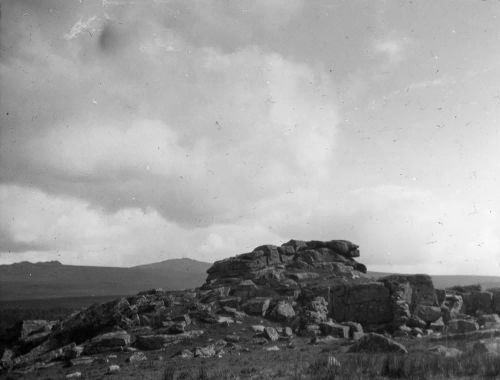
{"x":81,"y":26}
{"x":392,"y":47}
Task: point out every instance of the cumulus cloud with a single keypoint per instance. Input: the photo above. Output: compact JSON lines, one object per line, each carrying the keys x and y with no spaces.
{"x":137,"y":118}
{"x":392,"y":47}
{"x":131,"y":134}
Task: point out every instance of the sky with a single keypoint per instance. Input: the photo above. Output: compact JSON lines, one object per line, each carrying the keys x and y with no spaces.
{"x":137,"y":131}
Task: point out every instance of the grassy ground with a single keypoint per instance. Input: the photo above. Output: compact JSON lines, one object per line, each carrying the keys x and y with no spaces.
{"x":304,"y":362}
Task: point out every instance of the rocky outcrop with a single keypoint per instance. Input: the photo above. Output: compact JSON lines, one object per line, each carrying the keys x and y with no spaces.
{"x":311,"y":288}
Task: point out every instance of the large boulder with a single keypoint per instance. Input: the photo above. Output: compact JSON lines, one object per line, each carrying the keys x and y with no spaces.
{"x":496,"y":300}
{"x":366,"y":303}
{"x":375,"y":343}
{"x":111,"y":341}
{"x":428,"y":313}
{"x":422,"y":289}
{"x":478,"y":301}
{"x":283,"y":311}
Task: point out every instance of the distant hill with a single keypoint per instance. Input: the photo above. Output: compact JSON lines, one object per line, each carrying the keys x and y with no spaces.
{"x":52,"y":279}
{"x":446,"y":281}
{"x":27,"y":281}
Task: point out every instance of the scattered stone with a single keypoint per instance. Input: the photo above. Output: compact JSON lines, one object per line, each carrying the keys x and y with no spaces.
{"x":260,"y":340}
{"x":82,"y":360}
{"x":137,"y":357}
{"x":113,"y":368}
{"x":271,"y":334}
{"x":375,"y":343}
{"x":287,"y":331}
{"x":185,"y":354}
{"x":74,"y":375}
{"x":6,"y":360}
{"x":272,"y":348}
{"x":416,"y":331}
{"x":205,"y":352}
{"x":233,"y":338}
{"x":257,"y":328}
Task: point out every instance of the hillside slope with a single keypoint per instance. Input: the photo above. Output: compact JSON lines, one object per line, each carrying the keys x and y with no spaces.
{"x":52,"y":279}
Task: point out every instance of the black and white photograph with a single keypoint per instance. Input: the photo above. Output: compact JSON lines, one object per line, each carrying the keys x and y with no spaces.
{"x":250,"y":189}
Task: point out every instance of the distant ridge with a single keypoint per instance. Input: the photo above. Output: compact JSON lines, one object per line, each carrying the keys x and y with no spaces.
{"x":446,"y":281}
{"x":52,"y":279}
{"x":25,"y":280}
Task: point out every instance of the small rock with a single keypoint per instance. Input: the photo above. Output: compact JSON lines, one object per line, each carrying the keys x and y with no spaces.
{"x":205,"y":352}
{"x":288,"y":332}
{"x":417,"y":331}
{"x":184,"y":354}
{"x":74,"y":375}
{"x":6,"y":360}
{"x":233,"y":338}
{"x":257,"y":328}
{"x":272,"y":348}
{"x":271,"y":334}
{"x":260,"y":340}
{"x":82,"y":360}
{"x":137,"y":357}
{"x":113,"y":368}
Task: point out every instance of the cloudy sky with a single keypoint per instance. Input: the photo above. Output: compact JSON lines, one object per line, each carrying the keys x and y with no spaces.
{"x":137,"y":131}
